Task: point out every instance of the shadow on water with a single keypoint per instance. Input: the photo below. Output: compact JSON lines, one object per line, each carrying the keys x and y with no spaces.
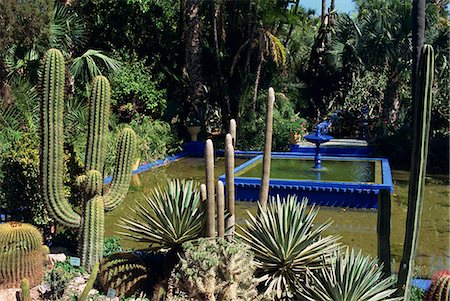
{"x":357,"y":227}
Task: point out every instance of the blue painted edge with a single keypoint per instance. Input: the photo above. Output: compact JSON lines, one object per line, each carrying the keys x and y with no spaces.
{"x":148,"y":166}
{"x":386,"y":170}
{"x":423,"y":284}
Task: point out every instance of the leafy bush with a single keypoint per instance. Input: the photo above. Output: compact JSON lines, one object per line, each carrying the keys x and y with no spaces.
{"x":135,"y":90}
{"x":156,"y":140}
{"x":214,"y":270}
{"x":287,"y":244}
{"x":285,"y":120}
{"x":20,"y":171}
{"x":111,"y":245}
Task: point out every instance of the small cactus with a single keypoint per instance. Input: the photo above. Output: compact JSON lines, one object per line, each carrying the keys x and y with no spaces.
{"x":22,"y":255}
{"x":440,"y":287}
{"x":25,"y":287}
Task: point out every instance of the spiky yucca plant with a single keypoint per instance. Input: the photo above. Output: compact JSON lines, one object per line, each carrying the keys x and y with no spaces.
{"x":286,"y":244}
{"x":350,"y":277}
{"x":174,"y":217}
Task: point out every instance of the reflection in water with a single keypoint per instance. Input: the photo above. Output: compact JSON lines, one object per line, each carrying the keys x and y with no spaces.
{"x":357,"y":227}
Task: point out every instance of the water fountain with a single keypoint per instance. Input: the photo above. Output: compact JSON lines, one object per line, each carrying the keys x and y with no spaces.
{"x":319,"y":137}
{"x":341,"y":180}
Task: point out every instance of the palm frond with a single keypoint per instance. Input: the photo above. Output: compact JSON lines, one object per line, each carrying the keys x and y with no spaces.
{"x":92,"y":63}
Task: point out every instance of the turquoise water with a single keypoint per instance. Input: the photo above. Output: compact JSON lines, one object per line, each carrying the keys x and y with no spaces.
{"x":300,"y":169}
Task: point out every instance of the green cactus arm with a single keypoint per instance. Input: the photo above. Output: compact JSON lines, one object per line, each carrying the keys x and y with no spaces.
{"x":52,"y":139}
{"x":90,"y":283}
{"x":122,"y":172}
{"x":92,"y":228}
{"x":99,"y":103}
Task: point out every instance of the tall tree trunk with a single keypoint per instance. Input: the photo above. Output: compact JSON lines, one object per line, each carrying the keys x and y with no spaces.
{"x":391,"y":102}
{"x":223,"y":97}
{"x":291,"y":27}
{"x":323,"y":12}
{"x":258,"y":78}
{"x":253,"y":11}
{"x":196,"y":97}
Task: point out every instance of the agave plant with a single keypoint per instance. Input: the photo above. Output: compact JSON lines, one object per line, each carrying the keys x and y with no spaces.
{"x":350,"y":277}
{"x":174,"y":217}
{"x":286,"y":244}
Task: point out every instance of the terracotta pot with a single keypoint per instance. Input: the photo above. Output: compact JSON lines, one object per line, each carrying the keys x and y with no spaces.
{"x":194,"y":130}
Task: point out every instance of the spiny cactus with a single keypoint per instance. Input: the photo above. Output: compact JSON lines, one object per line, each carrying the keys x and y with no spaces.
{"x":22,"y":254}
{"x":233,"y":132}
{"x":440,"y":287}
{"x":214,"y":269}
{"x":90,"y":283}
{"x":220,"y":210}
{"x":25,"y":288}
{"x":91,"y":222}
{"x":419,"y":154}
{"x":210,"y":199}
{"x":230,"y":193}
{"x":124,"y":272}
{"x":264,"y":189}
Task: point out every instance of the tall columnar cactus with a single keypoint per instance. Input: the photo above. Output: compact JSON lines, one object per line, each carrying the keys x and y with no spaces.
{"x":220,"y":210}
{"x":229,"y":179}
{"x":210,"y":198}
{"x":91,"y":222}
{"x":421,"y":130}
{"x":22,"y":255}
{"x":233,"y":132}
{"x":264,"y":190}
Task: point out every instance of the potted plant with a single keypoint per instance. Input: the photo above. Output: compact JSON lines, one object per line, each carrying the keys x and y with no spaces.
{"x":193,"y":126}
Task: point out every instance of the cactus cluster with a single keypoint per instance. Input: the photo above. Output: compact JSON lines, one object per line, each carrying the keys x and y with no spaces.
{"x":214,"y":269}
{"x":22,"y":254}
{"x":95,"y":202}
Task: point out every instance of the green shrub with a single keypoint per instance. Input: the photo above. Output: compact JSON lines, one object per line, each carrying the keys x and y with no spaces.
{"x":111,"y":245}
{"x":156,"y":140}
{"x":135,"y":90}
{"x":285,"y":120}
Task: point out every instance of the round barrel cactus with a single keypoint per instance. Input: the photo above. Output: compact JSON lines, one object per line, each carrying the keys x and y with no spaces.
{"x":22,"y":254}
